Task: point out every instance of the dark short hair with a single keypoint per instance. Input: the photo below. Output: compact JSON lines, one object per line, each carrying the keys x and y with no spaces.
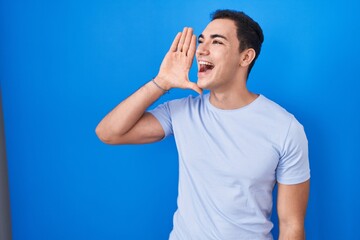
{"x":249,"y":32}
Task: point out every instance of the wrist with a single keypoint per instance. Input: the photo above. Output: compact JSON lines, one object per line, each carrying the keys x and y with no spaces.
{"x":161,"y":83}
{"x":159,"y":87}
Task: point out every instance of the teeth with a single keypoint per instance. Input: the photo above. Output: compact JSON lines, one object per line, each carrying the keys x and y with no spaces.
{"x":206,"y":63}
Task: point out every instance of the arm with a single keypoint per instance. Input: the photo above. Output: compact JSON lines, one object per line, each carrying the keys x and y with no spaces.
{"x":128,"y":122}
{"x":291,"y":206}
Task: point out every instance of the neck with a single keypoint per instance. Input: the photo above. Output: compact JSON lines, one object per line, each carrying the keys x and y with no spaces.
{"x":232,"y":98}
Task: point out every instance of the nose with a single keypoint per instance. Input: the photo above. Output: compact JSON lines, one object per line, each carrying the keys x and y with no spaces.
{"x":202,"y":50}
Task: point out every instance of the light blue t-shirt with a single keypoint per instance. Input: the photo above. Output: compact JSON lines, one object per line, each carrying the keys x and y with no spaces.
{"x":229,"y":162}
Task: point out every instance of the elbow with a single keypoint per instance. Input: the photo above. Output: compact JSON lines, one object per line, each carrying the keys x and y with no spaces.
{"x":102,"y":135}
{"x":109,"y":136}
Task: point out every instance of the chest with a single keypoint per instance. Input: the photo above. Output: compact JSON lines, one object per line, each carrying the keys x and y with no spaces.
{"x":235,"y":148}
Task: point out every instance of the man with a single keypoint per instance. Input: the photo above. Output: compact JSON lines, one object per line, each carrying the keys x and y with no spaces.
{"x":234,"y":145}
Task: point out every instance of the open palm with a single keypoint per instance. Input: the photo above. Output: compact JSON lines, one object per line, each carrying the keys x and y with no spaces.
{"x":175,"y":67}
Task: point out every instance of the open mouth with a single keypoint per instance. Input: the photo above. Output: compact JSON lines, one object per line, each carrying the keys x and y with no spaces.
{"x":205,"y":66}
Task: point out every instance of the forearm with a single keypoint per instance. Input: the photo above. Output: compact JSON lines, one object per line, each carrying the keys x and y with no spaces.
{"x":291,"y":205}
{"x":117,"y":126}
{"x":291,"y":232}
{"x":124,"y":116}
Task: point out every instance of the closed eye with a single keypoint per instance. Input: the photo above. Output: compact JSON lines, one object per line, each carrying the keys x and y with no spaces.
{"x":217,"y":42}
{"x":214,"y":42}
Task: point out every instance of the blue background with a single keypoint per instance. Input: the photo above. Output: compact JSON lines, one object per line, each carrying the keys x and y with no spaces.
{"x":65,"y":64}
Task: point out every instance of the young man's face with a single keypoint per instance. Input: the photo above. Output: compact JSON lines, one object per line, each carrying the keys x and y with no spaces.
{"x":218,"y":54}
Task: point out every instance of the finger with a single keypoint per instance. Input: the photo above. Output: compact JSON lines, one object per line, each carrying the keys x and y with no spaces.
{"x":187,"y":41}
{"x":182,"y":39}
{"x":194,"y":87}
{"x":175,"y":42}
{"x":192,"y":47}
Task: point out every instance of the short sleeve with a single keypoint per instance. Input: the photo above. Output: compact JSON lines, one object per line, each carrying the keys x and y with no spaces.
{"x":163,"y":115}
{"x":294,"y":166}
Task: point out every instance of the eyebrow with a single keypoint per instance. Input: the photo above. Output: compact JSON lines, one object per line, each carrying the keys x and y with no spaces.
{"x":212,"y":36}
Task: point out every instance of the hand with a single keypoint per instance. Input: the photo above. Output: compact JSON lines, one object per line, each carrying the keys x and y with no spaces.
{"x":174,"y":69}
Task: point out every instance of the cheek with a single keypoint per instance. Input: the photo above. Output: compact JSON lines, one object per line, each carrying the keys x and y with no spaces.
{"x":234,"y":60}
{"x":228,"y":61}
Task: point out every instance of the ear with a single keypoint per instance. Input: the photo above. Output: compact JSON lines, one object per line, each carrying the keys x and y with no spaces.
{"x":247,"y":56}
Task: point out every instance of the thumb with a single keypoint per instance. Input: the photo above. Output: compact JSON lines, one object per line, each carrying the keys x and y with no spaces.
{"x":194,"y":87}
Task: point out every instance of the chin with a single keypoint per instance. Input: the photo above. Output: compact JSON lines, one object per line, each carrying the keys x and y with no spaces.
{"x":203,"y":83}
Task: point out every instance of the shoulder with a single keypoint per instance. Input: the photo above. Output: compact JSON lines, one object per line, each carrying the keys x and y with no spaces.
{"x":278,"y":120}
{"x":274,"y":109}
{"x":179,"y":106}
{"x":273,"y":112}
{"x":186,"y":102}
